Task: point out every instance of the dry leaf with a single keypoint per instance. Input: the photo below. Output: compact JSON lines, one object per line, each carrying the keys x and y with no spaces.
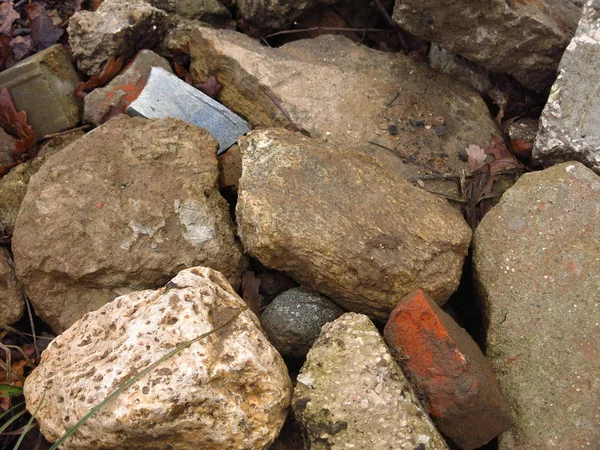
{"x":15,"y":123}
{"x":210,"y":87}
{"x":8,"y":15}
{"x":43,"y":30}
{"x":21,"y":46}
{"x":111,"y":69}
{"x":504,"y":159}
{"x":476,"y":157}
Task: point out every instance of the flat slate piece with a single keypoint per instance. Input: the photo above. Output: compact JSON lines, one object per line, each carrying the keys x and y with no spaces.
{"x":165,"y":95}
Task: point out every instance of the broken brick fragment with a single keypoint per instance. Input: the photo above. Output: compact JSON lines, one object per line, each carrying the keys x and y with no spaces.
{"x":447,"y":367}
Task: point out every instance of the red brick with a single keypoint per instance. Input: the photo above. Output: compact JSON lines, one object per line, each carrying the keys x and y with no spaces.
{"x":448,"y":370}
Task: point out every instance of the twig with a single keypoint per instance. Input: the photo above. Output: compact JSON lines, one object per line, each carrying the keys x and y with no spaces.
{"x":389,"y":105}
{"x":410,"y":160}
{"x":447,"y":176}
{"x":449,"y":197}
{"x":336,"y":29}
{"x":32,"y":325}
{"x":393,"y":24}
{"x":61,"y":133}
{"x":279,"y":105}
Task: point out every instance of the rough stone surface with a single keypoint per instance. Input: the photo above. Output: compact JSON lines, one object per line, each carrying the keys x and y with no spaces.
{"x":209,"y":11}
{"x":13,"y":185}
{"x":230,"y":168}
{"x":229,"y":390}
{"x":460,"y":69}
{"x":344,"y":225}
{"x":293,"y":320}
{"x":537,"y":266}
{"x":117,"y":27}
{"x":522,"y":134}
{"x":447,"y":367}
{"x":523,"y":38}
{"x":123,"y":208}
{"x":569,"y":123}
{"x":327,"y":86}
{"x":12,"y":303}
{"x":123,"y":89}
{"x":41,"y":85}
{"x":263,"y":16}
{"x":351,"y":394}
{"x":7,"y":146}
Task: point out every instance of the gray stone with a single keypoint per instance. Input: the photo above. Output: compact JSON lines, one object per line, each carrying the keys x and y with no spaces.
{"x":165,"y":95}
{"x":263,"y":16}
{"x":122,"y":89}
{"x":117,"y":27}
{"x":344,"y":225}
{"x":13,"y":185}
{"x":351,"y":394}
{"x":209,"y":11}
{"x":569,"y":123}
{"x":229,"y":390}
{"x":460,"y":69}
{"x":41,"y":85}
{"x":348,"y":94}
{"x":537,"y":267}
{"x":123,"y":208}
{"x":293,"y":320}
{"x":12,"y":303}
{"x":7,"y":146}
{"x":524,"y":39}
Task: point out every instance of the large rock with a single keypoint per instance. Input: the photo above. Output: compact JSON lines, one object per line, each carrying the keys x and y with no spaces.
{"x":117,"y":27}
{"x":351,"y":394}
{"x":347,"y":94}
{"x":123,"y":208}
{"x":12,"y":303}
{"x":344,"y":225}
{"x":210,"y":11}
{"x":262,"y":16}
{"x":569,"y":122}
{"x":524,"y":39}
{"x":537,"y":266}
{"x":228,"y":390}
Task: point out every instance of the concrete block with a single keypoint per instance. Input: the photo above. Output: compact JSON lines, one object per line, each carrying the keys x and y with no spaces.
{"x":42,"y":86}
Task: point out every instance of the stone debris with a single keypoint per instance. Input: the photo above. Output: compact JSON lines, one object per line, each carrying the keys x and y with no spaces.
{"x":344,"y":225}
{"x":536,"y":266}
{"x":123,"y":89}
{"x":347,"y":94}
{"x":351,"y":394}
{"x":165,"y":95}
{"x":41,"y":85}
{"x":12,"y":302}
{"x":117,"y":27}
{"x":229,"y":390}
{"x":122,"y":209}
{"x":569,"y":123}
{"x":293,"y":320}
{"x":446,"y":365}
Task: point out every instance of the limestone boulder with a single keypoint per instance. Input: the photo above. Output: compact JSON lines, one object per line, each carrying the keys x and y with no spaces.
{"x":351,"y":394}
{"x":228,"y":390}
{"x":124,"y":208}
{"x":344,"y":225}
{"x":524,"y":39}
{"x":537,"y":267}
{"x":116,"y":28}
{"x":569,"y":122}
{"x":348,"y":94}
{"x":12,"y":303}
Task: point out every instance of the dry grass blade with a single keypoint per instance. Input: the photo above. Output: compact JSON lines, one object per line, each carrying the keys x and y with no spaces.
{"x":137,"y":376}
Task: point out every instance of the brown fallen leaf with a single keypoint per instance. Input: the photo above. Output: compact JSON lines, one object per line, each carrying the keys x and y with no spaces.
{"x":21,"y":46}
{"x":504,"y":159}
{"x":111,"y":69}
{"x":182,"y":73}
{"x":44,"y":32}
{"x":476,"y":157}
{"x":15,"y":123}
{"x":210,"y":87}
{"x":522,"y":148}
{"x":6,"y":51}
{"x":8,"y":15}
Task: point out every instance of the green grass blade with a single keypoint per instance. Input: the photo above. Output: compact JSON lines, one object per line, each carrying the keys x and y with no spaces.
{"x":12,"y":408}
{"x":29,"y":422}
{"x":140,"y":374}
{"x":11,"y":420}
{"x":6,"y":390}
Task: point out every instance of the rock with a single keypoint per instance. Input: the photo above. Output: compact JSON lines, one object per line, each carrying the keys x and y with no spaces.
{"x":7,"y":146}
{"x":230,"y":168}
{"x":229,"y":390}
{"x":327,"y":86}
{"x":123,"y":89}
{"x":13,"y":185}
{"x":521,"y":134}
{"x":117,"y":27}
{"x":351,"y":394}
{"x":123,"y":208}
{"x":537,"y":269}
{"x":166,"y":95}
{"x":444,"y":364}
{"x":524,"y":39}
{"x":342,"y":224}
{"x":209,"y":11}
{"x":41,"y":85}
{"x":12,"y":303}
{"x":263,"y":16}
{"x":569,"y":121}
{"x":293,"y":320}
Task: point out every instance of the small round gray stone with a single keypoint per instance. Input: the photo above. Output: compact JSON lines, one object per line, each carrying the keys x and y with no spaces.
{"x":293,"y":320}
